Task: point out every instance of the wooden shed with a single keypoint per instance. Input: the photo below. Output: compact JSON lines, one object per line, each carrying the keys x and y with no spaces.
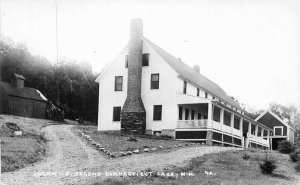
{"x":16,"y":99}
{"x":281,"y":129}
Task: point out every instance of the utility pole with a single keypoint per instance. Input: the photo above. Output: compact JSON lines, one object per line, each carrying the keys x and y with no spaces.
{"x":56,"y":35}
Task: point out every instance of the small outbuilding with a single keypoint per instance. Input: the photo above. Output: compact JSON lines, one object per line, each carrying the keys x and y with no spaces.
{"x":16,"y":99}
{"x":281,"y":129}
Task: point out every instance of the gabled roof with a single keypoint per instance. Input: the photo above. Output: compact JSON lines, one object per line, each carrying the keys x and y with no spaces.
{"x":26,"y":92}
{"x":276,"y":117}
{"x":190,"y":74}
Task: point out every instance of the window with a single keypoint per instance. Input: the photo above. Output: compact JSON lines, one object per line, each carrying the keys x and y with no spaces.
{"x":278,"y":131}
{"x":145,"y":61}
{"x":186,"y":114}
{"x":118,"y":83}
{"x":198,"y":91}
{"x":180,"y":112}
{"x":205,"y":116}
{"x":157,"y":112}
{"x":193,"y":115}
{"x":199,"y":115}
{"x":116,"y":113}
{"x":206,"y":94}
{"x":184,"y":87}
{"x":154,"y":81}
{"x":126,"y":61}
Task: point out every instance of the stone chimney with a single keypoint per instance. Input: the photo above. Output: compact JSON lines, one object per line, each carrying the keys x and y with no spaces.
{"x":196,"y":68}
{"x":133,"y":115}
{"x":18,"y":80}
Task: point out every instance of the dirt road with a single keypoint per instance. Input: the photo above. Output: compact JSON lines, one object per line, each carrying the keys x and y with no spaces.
{"x":71,"y":161}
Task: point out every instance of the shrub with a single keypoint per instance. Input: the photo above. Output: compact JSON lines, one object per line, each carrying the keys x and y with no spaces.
{"x":295,"y":156}
{"x":267,"y":167}
{"x":285,"y":147}
{"x":54,"y":113}
{"x":246,"y":156}
{"x":297,"y":167}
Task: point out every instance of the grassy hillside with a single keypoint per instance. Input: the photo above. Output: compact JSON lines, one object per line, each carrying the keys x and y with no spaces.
{"x":19,"y":151}
{"x":223,"y":168}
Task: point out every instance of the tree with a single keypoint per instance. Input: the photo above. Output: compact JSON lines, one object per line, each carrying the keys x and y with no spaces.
{"x":70,"y":80}
{"x":290,"y":113}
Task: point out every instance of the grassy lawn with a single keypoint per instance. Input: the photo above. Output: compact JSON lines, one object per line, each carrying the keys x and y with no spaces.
{"x":222,"y":168}
{"x":116,"y":141}
{"x":19,"y":151}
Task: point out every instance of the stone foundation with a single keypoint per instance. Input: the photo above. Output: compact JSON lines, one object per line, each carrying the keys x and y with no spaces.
{"x":133,"y":122}
{"x":168,"y":132}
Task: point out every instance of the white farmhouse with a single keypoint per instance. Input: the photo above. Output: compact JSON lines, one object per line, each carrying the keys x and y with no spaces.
{"x":145,"y":89}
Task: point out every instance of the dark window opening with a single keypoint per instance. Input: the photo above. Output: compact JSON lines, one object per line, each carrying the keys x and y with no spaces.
{"x":126,"y":61}
{"x":199,"y":115}
{"x":154,"y":81}
{"x":198,"y":91}
{"x":184,"y":87}
{"x":186,"y":114}
{"x":118,"y":83}
{"x":180,"y":112}
{"x":206,"y":94}
{"x":116,"y":113}
{"x":205,"y":116}
{"x":145,"y":61}
{"x":278,"y":131}
{"x":193,"y":115}
{"x":157,"y":109}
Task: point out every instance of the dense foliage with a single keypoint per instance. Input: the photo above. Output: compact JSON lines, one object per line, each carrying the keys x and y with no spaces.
{"x":285,"y":147}
{"x":267,"y":167}
{"x":69,"y":84}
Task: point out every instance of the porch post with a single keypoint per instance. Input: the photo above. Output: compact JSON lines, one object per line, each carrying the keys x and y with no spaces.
{"x":183,"y":113}
{"x":262,"y":132}
{"x":241,"y":125}
{"x":249,"y":128}
{"x":209,"y":111}
{"x":270,"y":142}
{"x":256,"y":130}
{"x":222,"y":116}
{"x":209,"y":117}
{"x":232,"y":122}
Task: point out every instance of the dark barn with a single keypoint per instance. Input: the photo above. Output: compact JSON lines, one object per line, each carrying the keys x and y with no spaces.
{"x":16,"y":99}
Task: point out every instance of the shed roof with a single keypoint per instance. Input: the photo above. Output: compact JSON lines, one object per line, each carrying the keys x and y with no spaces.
{"x":190,"y":74}
{"x":26,"y":92}
{"x":19,"y":76}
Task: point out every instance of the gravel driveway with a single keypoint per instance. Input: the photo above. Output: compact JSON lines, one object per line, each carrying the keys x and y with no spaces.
{"x":71,"y":161}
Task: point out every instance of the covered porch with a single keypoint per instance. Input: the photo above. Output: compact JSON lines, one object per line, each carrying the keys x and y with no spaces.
{"x":216,"y":123}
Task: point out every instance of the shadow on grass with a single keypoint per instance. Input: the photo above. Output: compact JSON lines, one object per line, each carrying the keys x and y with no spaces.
{"x":280,"y":176}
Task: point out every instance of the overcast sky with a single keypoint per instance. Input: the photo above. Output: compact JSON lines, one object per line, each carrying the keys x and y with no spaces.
{"x":250,"y":48}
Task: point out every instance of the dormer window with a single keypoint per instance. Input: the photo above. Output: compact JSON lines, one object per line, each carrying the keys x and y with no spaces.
{"x":206,"y":94}
{"x":198,"y":91}
{"x":145,"y":61}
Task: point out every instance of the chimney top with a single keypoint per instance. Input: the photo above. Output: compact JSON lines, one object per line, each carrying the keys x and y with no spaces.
{"x":18,"y":80}
{"x":196,"y":68}
{"x":136,"y":29}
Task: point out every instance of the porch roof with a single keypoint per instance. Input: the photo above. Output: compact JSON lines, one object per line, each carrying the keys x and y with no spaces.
{"x":241,"y":115}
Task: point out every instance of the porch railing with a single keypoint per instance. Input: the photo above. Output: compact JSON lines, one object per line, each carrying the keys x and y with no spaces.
{"x":204,"y":123}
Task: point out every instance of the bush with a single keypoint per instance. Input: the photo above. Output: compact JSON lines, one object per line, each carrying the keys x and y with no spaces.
{"x":297,"y":167}
{"x":54,"y":113}
{"x":246,"y":156}
{"x":285,"y":147}
{"x":267,"y":167}
{"x":295,"y":156}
